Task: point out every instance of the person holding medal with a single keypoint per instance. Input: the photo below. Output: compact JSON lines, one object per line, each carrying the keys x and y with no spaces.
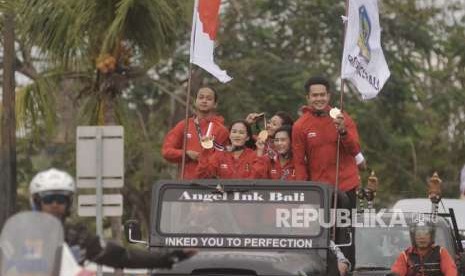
{"x":233,"y":163}
{"x":281,"y":167}
{"x":314,"y":141}
{"x":205,"y":118}
{"x":278,"y":120}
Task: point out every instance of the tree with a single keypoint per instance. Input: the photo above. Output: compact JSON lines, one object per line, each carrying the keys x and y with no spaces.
{"x":95,"y":49}
{"x":8,"y":127}
{"x":413,"y":128}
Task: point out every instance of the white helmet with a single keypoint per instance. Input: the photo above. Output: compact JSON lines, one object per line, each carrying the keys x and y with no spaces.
{"x":48,"y":182}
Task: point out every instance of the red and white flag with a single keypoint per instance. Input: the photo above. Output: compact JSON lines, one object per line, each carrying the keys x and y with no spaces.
{"x":204,"y":27}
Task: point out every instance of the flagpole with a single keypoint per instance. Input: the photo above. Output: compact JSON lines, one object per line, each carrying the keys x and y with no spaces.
{"x":186,"y":122}
{"x":188,"y":93}
{"x":338,"y":148}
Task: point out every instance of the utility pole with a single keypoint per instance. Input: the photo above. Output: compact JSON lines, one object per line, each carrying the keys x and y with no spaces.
{"x":8,"y":131}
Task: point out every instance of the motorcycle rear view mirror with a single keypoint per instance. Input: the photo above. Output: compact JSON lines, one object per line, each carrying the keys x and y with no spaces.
{"x":133,"y":233}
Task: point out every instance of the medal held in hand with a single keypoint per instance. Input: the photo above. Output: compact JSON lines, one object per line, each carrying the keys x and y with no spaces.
{"x":259,"y":115}
{"x":207,"y":141}
{"x":263,"y":135}
{"x":334,"y":112}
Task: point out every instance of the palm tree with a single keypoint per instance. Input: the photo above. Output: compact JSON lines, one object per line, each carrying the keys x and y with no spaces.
{"x":8,"y":129}
{"x":95,"y":48}
{"x":104,"y":44}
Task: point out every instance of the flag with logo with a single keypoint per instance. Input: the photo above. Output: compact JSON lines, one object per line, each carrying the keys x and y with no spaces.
{"x":204,"y":27}
{"x":363,"y":62}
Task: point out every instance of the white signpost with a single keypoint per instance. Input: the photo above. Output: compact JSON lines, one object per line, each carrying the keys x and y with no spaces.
{"x":100,"y":153}
{"x":99,"y":165}
{"x":111,"y":205}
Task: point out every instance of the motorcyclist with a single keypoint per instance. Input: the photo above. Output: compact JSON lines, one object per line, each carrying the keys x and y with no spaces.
{"x":424,"y":257}
{"x":52,"y":191}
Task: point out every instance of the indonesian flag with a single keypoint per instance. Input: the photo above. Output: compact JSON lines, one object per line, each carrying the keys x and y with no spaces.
{"x":363,"y":62}
{"x":204,"y":27}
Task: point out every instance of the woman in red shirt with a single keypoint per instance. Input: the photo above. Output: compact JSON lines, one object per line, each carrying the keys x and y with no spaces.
{"x":279,"y":167}
{"x":235,"y":162}
{"x":278,"y":120}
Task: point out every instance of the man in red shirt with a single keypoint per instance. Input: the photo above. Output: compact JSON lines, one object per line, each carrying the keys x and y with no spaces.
{"x":205,"y":103}
{"x":424,"y":257}
{"x":314,"y":141}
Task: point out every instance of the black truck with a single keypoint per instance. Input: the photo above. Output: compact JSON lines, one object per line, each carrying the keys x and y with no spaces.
{"x":243,"y":227}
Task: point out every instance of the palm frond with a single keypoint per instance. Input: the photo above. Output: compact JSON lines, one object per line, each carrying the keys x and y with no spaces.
{"x":52,"y":26}
{"x":90,"y":110}
{"x":35,"y":107}
{"x":6,"y":6}
{"x":148,"y":25}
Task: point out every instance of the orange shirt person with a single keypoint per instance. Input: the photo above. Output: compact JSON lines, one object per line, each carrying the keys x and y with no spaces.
{"x":235,"y":162}
{"x":424,"y":257}
{"x":206,"y":102}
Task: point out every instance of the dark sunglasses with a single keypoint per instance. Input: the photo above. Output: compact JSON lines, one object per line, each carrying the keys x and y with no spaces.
{"x":60,"y":199}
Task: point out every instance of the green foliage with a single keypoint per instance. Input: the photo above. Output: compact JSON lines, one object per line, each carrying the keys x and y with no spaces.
{"x":414,"y":127}
{"x":76,"y":32}
{"x":35,"y":106}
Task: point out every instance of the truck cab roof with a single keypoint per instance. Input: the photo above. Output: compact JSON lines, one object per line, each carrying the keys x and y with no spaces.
{"x":242,"y":227}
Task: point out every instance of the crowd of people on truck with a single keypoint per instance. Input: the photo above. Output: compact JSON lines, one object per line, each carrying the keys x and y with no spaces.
{"x":285,"y":150}
{"x":302,"y":150}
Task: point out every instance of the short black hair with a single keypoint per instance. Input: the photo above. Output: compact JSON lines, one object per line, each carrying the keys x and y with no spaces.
{"x":284,"y":128}
{"x":288,"y":130}
{"x":285,"y":117}
{"x":215,"y":93}
{"x":317,"y":80}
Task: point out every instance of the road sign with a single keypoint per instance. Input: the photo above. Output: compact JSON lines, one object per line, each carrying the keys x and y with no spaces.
{"x":99,"y":165}
{"x":112,"y":205}
{"x":112,"y":163}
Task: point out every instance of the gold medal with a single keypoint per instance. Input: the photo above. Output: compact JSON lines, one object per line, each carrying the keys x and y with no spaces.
{"x":263,"y":135}
{"x":334,"y":112}
{"x":207,"y":143}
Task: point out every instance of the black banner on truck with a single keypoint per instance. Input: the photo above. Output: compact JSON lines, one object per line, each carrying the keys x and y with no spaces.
{"x":238,"y":242}
{"x":253,"y":196}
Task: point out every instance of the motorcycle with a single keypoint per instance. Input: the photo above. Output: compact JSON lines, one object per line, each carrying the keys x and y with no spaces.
{"x":32,"y":244}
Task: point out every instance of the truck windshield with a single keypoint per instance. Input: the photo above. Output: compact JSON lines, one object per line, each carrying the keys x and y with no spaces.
{"x":253,"y":212}
{"x":380,"y":247}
